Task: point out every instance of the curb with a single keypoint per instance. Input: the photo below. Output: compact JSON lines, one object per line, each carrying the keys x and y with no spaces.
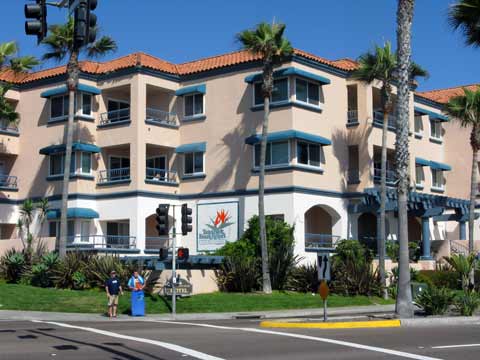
{"x":332,"y":325}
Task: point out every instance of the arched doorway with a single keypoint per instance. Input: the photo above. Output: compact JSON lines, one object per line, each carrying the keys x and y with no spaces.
{"x":367,"y":230}
{"x":152,"y":240}
{"x":320,"y":222}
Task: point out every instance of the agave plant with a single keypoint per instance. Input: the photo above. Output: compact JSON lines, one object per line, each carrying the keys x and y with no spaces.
{"x":462,"y":265}
{"x":467,"y":303}
{"x":74,"y":262}
{"x":434,"y":300}
{"x":13,"y":265}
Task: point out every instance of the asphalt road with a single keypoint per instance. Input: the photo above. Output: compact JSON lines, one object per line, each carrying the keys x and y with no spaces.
{"x":235,"y":339}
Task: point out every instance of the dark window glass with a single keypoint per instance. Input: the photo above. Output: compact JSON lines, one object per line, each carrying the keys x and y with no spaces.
{"x":52,"y":229}
{"x":189,"y":106}
{"x":189,"y":163}
{"x":258,"y":94}
{"x":313,"y":94}
{"x":302,"y":149}
{"x":86,"y":104}
{"x":301,"y":90}
{"x":198,"y":104}
{"x":314,"y":154}
{"x":280,"y":90}
{"x":56,"y":107}
{"x":198,"y":162}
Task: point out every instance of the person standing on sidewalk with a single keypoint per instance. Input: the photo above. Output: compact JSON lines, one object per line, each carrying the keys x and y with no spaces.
{"x":113,"y":289}
{"x":136,"y":282}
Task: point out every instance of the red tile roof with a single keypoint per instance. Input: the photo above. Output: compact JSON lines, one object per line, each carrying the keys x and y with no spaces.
{"x":443,"y":95}
{"x":151,"y":62}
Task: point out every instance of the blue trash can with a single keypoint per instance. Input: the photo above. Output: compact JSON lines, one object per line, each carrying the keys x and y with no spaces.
{"x":138,"y":303}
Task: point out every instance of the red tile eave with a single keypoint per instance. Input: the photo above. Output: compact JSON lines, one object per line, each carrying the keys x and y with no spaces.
{"x":442,"y":96}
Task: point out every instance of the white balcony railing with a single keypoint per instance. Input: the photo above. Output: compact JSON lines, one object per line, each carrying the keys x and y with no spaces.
{"x":111,"y":117}
{"x":320,"y":241}
{"x":161,"y":117}
{"x":8,"y":182}
{"x":102,"y":242}
{"x":8,"y":126}
{"x":378,"y":119}
{"x":111,"y":175}
{"x":391,"y":175}
{"x":352,"y":116}
{"x":161,"y":175}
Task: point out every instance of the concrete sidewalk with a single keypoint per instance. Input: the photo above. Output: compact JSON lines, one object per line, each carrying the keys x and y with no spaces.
{"x":278,"y":314}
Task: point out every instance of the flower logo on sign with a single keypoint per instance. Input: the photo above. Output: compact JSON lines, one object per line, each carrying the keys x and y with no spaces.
{"x":221,"y":221}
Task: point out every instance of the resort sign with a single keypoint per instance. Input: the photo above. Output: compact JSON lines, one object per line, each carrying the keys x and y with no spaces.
{"x":217,"y":224}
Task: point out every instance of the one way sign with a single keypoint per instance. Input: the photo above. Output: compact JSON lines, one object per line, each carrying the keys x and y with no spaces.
{"x":323,"y":266}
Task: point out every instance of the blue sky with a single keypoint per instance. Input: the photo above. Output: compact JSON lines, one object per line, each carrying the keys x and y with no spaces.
{"x":185,"y":30}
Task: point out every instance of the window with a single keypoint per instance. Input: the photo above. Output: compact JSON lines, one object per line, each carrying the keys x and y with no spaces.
{"x":157,"y":168}
{"x":118,"y":110}
{"x":54,"y":229}
{"x":193,"y":105}
{"x":86,"y":163}
{"x":308,"y":154}
{"x":353,"y":168}
{"x":119,"y":168}
{"x":193,"y":163}
{"x":418,"y":125}
{"x":307,"y":92}
{"x":419,"y":176}
{"x":279,"y":94}
{"x":277,"y":154}
{"x":86,"y":104}
{"x":435,"y":129}
{"x":437,"y":178}
{"x":118,"y":234}
{"x":59,"y":107}
{"x":57,"y":162}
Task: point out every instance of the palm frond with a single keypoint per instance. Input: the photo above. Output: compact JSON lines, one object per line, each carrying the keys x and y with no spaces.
{"x":7,"y":49}
{"x":378,"y":64}
{"x":465,"y":108}
{"x":23,"y":63}
{"x":101,"y":47}
{"x":465,"y":17}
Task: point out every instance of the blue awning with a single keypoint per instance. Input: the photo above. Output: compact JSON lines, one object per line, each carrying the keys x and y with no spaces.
{"x":289,"y":134}
{"x":201,"y":88}
{"x":289,"y":71}
{"x":73,"y":213}
{"x":194,"y":147}
{"x":440,"y":166}
{"x":63,"y":90}
{"x":77,"y":146}
{"x":431,"y":114}
{"x":422,"y":162}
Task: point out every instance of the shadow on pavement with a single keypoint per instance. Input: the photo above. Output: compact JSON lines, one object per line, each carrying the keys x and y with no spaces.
{"x":123,"y":355}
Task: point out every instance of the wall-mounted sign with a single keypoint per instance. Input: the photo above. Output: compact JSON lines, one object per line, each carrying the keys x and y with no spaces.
{"x":217,"y":224}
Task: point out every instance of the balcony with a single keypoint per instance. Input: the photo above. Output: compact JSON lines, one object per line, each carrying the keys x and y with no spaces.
{"x":8,"y":183}
{"x":115,"y":117}
{"x":103,"y":242}
{"x":353,"y":176}
{"x":155,"y":175}
{"x":378,"y":120}
{"x":315,"y":242}
{"x":391,"y":175}
{"x":352,"y":117}
{"x":161,"y":118}
{"x":154,"y":243}
{"x":108,"y":176}
{"x":8,"y":128}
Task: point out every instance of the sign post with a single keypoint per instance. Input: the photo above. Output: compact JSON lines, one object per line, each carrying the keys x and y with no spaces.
{"x":174,"y":266}
{"x":323,"y":268}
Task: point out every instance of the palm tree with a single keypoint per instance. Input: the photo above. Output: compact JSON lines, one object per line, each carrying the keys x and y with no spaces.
{"x":465,"y":15}
{"x":463,"y":266}
{"x":27,"y":212}
{"x":466,"y":110}
{"x":405,"y":75}
{"x":268,"y":41}
{"x":60,"y":45}
{"x":8,"y":59}
{"x":381,"y":64}
{"x":43,"y":206}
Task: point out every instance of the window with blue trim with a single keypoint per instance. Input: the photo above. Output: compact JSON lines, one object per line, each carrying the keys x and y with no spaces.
{"x":436,"y":129}
{"x":193,"y":105}
{"x":308,"y":154}
{"x":57,"y":164}
{"x":307,"y":92}
{"x":58,"y":107}
{"x":437,"y":179}
{"x":193,"y":163}
{"x":419,"y":176}
{"x":279,"y":93}
{"x":278,"y":154}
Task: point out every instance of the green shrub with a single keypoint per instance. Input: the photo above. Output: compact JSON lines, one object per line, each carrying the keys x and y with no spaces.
{"x":462,"y":265}
{"x":13,"y":265}
{"x":392,"y":288}
{"x":79,"y":281}
{"x":239,"y":274}
{"x":281,"y":259}
{"x":64,"y":275}
{"x":43,"y":273}
{"x":303,"y":278}
{"x":440,"y":278}
{"x":352,"y":270}
{"x":99,"y":268}
{"x":434,"y":300}
{"x":467,"y":303}
{"x":392,"y":249}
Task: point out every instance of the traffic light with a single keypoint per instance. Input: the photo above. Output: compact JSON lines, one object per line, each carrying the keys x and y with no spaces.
{"x":85,"y":31}
{"x":38,"y":26}
{"x":163,"y":253}
{"x":183,"y":254}
{"x":162,"y":219}
{"x":186,"y":219}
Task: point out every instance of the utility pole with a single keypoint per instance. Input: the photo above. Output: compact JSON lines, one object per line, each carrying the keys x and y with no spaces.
{"x":174,"y":266}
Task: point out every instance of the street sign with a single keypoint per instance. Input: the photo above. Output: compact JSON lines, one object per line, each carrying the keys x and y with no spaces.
{"x":183,"y":288}
{"x":324,"y":290}
{"x":323,"y":266}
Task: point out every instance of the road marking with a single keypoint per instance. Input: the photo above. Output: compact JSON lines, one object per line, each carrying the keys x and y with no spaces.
{"x":169,"y":346}
{"x":306,"y":337}
{"x":331,"y":325}
{"x":454,"y":346}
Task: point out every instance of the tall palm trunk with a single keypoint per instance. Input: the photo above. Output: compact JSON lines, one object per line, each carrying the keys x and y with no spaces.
{"x":473,"y":197}
{"x":383,"y":199}
{"x":267,"y":90}
{"x":72,"y":83}
{"x":404,"y":306}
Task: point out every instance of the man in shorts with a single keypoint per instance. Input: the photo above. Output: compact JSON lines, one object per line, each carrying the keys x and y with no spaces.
{"x":113,"y":289}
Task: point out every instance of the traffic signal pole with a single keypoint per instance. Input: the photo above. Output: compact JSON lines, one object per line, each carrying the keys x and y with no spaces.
{"x":174,"y":266}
